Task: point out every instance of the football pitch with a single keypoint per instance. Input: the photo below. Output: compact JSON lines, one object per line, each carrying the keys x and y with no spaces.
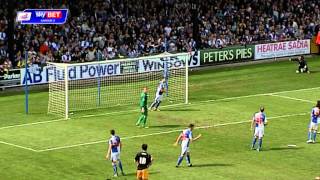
{"x":222,"y":102}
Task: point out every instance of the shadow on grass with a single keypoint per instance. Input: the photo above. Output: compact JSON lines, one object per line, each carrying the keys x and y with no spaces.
{"x":182,"y":110}
{"x":211,"y":165}
{"x":166,"y":126}
{"x":134,"y":173}
{"x":282,"y":148}
{"x":314,"y":71}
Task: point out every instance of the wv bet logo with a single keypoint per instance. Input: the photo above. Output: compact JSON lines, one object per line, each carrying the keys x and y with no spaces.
{"x":49,"y":14}
{"x":23,"y":16}
{"x":41,"y":14}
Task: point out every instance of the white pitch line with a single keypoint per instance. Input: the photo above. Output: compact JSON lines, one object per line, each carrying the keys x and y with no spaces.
{"x":163,"y":132}
{"x":34,"y":123}
{"x":171,"y":105}
{"x":125,"y":111}
{"x":206,"y":101}
{"x":18,"y":146}
{"x":241,"y":122}
{"x":295,"y":90}
{"x":292,"y":98}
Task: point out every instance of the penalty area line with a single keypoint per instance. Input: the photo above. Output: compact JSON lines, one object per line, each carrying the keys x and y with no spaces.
{"x":29,"y":124}
{"x":18,"y":146}
{"x":163,"y":132}
{"x":291,"y":98}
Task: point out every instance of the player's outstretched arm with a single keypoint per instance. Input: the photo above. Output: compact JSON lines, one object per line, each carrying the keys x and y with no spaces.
{"x":252,"y":124}
{"x":108,"y":152}
{"x":196,"y":138}
{"x":177,"y":141}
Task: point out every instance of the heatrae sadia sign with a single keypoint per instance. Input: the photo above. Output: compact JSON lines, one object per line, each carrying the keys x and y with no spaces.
{"x":225,"y":55}
{"x":282,"y":49}
{"x":42,"y":16}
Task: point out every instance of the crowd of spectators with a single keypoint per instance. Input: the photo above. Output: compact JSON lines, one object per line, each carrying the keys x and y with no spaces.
{"x":108,"y":29}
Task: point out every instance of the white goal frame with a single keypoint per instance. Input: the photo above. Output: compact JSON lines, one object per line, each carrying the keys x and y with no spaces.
{"x":66,"y":80}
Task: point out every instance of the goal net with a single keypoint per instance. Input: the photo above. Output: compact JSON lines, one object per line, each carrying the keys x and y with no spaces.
{"x":112,"y":83}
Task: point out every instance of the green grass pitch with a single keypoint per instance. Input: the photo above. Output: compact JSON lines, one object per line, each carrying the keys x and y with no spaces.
{"x":39,"y":146}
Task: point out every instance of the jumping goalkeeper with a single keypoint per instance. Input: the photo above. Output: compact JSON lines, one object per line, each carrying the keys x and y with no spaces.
{"x":156,"y":103}
{"x":142,"y":121}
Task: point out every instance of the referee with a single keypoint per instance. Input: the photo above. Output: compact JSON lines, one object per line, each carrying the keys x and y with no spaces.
{"x":143,"y":161}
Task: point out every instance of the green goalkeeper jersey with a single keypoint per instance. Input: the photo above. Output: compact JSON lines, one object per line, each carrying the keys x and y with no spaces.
{"x":143,"y":99}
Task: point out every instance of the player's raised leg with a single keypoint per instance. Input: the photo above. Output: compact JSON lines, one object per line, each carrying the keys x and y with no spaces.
{"x":157,"y":105}
{"x":159,"y":93}
{"x":153,"y":105}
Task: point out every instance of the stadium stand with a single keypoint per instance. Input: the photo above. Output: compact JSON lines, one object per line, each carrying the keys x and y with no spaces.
{"x":108,"y":29}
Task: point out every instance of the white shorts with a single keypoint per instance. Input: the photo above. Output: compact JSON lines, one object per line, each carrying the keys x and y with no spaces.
{"x":259,"y":132}
{"x":184,"y":150}
{"x":115,"y":156}
{"x":313,"y":126}
{"x":158,"y":98}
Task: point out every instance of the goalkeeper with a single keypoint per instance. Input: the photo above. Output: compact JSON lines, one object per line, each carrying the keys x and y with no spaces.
{"x":303,"y":66}
{"x":142,"y":121}
{"x":156,"y":103}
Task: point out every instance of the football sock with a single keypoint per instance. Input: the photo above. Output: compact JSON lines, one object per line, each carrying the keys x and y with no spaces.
{"x":179,"y":160}
{"x":188,"y":159}
{"x":158,"y":104}
{"x":144,"y":120}
{"x":309,"y":135}
{"x":260,"y":143}
{"x":114,"y":165}
{"x":140,"y":120}
{"x":254,"y":142}
{"x":120,"y":166}
{"x":153,"y":104}
{"x":314,"y":135}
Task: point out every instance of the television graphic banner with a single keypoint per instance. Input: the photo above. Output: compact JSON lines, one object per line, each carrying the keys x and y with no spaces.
{"x":42,"y":16}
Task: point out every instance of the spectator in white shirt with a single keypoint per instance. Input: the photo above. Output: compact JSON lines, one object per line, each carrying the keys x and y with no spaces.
{"x":3,"y":36}
{"x":91,"y":56}
{"x":66,"y":57}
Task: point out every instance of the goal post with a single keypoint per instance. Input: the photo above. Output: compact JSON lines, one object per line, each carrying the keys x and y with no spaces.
{"x":112,"y":83}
